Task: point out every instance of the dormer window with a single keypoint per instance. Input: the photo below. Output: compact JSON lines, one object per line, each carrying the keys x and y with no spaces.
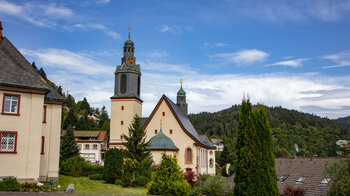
{"x":326,"y":180}
{"x":283,"y":178}
{"x":301,"y":179}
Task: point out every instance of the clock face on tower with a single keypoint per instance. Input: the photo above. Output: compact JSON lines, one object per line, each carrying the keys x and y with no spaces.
{"x":131,"y":61}
{"x":123,"y":60}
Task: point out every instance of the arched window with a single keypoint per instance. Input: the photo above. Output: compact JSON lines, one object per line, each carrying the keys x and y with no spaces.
{"x":138,"y":85}
{"x":188,"y":158}
{"x":123,"y":84}
{"x":211,"y":163}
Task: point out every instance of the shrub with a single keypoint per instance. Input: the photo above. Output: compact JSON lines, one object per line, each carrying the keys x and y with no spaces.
{"x":202,"y":179}
{"x":118,"y":182}
{"x":140,"y":181}
{"x":96,"y":177}
{"x":189,"y":177}
{"x":168,"y":180}
{"x":10,"y":184}
{"x":113,"y":165}
{"x":215,"y":186}
{"x":74,"y":166}
{"x":199,"y":190}
{"x":93,"y":169}
{"x":145,"y":167}
{"x":31,"y":187}
{"x":290,"y":191}
{"x":128,"y":170}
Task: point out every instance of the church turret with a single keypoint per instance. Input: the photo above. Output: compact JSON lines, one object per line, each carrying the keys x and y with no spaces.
{"x":181,"y":100}
{"x":126,"y":102}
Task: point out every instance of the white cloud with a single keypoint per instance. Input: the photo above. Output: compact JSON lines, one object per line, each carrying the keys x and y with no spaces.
{"x":102,"y":1}
{"x":216,"y":44}
{"x":243,"y":57}
{"x":220,"y":44}
{"x":175,"y":29}
{"x":157,"y":54}
{"x":100,"y":27}
{"x":166,"y":67}
{"x":341,"y":59}
{"x":10,"y":8}
{"x":69,"y":61}
{"x":289,"y":63}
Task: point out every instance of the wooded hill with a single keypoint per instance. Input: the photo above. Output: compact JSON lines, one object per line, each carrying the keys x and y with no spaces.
{"x":313,"y":135}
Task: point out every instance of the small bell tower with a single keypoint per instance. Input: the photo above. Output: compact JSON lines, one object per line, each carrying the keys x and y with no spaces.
{"x":126,"y":102}
{"x":181,"y":100}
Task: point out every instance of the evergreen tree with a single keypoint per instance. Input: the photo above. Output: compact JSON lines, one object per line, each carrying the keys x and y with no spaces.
{"x":135,"y":145}
{"x":168,"y":179}
{"x":42,"y":73}
{"x":267,"y":177}
{"x":113,"y":165}
{"x":68,"y":146}
{"x":84,"y":105}
{"x":246,"y":166}
{"x":71,"y":119}
{"x":34,"y":66}
{"x":228,"y":155}
{"x":70,"y":101}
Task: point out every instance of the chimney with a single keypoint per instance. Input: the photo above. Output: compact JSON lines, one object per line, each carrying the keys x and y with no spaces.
{"x":0,"y":31}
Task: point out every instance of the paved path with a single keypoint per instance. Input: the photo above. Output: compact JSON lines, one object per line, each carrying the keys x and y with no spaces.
{"x":49,"y":194}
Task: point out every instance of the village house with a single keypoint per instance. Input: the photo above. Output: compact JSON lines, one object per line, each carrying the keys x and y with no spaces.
{"x":219,"y":144}
{"x":168,"y":128}
{"x":30,"y":119}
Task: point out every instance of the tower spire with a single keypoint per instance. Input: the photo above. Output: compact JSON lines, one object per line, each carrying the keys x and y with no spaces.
{"x":181,"y":99}
{"x":129,"y":30}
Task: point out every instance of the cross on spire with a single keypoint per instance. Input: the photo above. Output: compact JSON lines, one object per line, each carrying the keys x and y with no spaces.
{"x":129,"y":29}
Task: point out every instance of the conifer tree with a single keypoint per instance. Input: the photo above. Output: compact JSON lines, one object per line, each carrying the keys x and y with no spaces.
{"x":135,"y":145}
{"x":113,"y":165}
{"x":68,"y":146}
{"x":168,"y":179}
{"x":267,"y":176}
{"x":246,"y":166}
{"x":71,"y":119}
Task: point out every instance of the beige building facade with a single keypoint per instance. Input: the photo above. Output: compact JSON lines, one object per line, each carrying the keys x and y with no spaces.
{"x":175,"y":136}
{"x":30,"y":119}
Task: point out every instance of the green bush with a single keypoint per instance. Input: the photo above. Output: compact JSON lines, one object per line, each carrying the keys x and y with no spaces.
{"x":113,"y":165}
{"x":10,"y":184}
{"x":118,"y":182}
{"x":140,"y":181}
{"x":74,"y":166}
{"x":199,"y":191}
{"x":128,"y":170}
{"x":214,"y":186}
{"x":96,"y":177}
{"x":31,"y":187}
{"x":93,"y":169}
{"x":169,"y":180}
{"x":202,"y":179}
{"x":145,"y":167}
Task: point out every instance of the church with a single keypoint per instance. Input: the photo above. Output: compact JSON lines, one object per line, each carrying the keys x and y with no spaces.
{"x":168,"y":128}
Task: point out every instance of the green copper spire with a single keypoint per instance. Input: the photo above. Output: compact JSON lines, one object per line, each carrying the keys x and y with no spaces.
{"x":181,"y":92}
{"x":161,"y":142}
{"x":129,"y":41}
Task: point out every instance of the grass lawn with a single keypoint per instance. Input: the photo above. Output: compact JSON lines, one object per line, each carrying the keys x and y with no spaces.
{"x":85,"y":185}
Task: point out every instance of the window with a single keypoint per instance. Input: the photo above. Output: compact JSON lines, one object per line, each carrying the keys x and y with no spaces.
{"x":8,"y":141}
{"x":123,"y":84}
{"x":95,"y":146}
{"x":188,"y":155}
{"x":44,"y":114}
{"x":138,"y":85}
{"x":79,"y":146}
{"x":282,"y":178}
{"x":155,"y":131}
{"x":326,"y":180}
{"x":121,"y":122}
{"x":211,"y":163}
{"x":11,"y":104}
{"x":122,"y":107}
{"x":121,"y":137}
{"x":92,"y":138}
{"x":171,"y":131}
{"x":87,"y":146}
{"x":301,"y":179}
{"x":163,"y":114}
{"x":42,"y":144}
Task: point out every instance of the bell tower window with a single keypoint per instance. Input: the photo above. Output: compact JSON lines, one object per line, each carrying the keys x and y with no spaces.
{"x":138,"y":85}
{"x":123,"y":84}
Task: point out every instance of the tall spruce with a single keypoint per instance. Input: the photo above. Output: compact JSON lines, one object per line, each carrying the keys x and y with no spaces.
{"x":113,"y":165}
{"x":255,"y":172}
{"x":68,"y":146}
{"x":135,"y":145}
{"x":71,"y":119}
{"x":267,"y":176}
{"x":246,"y":166}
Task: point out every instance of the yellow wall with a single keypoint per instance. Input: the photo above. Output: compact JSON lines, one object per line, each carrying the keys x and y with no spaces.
{"x":24,"y":164}
{"x":178,"y":136}
{"x":49,"y":163}
{"x":132,"y":106}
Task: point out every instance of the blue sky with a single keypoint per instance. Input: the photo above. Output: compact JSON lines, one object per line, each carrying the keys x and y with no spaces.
{"x":294,"y":54}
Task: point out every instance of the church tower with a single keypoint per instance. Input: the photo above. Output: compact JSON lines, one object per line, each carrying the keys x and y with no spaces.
{"x":126,"y":102}
{"x":181,"y":100}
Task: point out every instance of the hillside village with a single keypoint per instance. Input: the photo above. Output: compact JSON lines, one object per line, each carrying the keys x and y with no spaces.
{"x":50,"y":140}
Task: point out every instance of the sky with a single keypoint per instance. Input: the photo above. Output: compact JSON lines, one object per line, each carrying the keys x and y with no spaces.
{"x":293,"y":54}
